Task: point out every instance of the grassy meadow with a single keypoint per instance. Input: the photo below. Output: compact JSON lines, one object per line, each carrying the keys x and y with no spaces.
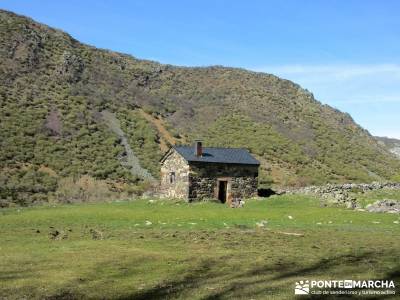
{"x":154,"y":249}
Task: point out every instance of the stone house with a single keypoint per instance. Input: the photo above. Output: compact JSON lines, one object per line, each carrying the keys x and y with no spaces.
{"x":195,"y":173}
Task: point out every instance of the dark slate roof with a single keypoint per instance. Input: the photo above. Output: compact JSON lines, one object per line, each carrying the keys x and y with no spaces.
{"x":218,"y":155}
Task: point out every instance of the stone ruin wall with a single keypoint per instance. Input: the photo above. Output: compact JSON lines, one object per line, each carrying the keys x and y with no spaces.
{"x":340,"y":194}
{"x":364,"y":187}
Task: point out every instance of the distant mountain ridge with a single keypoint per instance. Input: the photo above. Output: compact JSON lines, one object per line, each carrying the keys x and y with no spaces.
{"x":54,"y":92}
{"x":392,"y":144}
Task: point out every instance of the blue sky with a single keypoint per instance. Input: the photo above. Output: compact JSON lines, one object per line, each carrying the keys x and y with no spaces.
{"x":346,"y":52}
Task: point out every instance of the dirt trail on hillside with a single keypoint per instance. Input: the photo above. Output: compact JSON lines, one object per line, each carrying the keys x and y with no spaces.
{"x":166,"y":139}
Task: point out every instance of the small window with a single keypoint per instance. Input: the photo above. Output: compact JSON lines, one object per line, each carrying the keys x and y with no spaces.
{"x":172,"y":177}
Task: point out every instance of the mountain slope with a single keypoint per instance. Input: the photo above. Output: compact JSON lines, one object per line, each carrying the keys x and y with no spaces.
{"x":54,"y":92}
{"x":392,"y":144}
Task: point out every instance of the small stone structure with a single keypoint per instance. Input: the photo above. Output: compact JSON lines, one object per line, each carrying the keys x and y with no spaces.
{"x":197,"y":173}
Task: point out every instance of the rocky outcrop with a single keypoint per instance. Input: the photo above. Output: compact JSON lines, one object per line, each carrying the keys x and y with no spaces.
{"x":26,"y":47}
{"x":70,"y":68}
{"x":341,"y":194}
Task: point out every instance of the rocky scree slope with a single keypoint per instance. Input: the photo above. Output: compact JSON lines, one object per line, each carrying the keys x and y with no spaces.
{"x":392,"y":144}
{"x":54,"y":90}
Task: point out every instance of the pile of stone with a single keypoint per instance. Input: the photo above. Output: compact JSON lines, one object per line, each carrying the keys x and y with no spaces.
{"x":386,"y":205}
{"x":340,"y":194}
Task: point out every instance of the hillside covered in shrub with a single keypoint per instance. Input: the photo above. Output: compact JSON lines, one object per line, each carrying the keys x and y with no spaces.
{"x":55,"y":140}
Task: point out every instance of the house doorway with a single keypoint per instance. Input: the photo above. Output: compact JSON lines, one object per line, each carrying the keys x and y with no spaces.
{"x":222,"y":190}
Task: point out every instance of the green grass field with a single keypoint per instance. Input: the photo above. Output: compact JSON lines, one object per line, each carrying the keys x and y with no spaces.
{"x":173,"y":250}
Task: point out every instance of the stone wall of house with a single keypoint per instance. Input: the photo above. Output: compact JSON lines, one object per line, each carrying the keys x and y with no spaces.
{"x":203,"y":180}
{"x":180,"y":187}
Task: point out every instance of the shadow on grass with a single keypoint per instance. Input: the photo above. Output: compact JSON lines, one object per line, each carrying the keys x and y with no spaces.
{"x":261,"y":282}
{"x":212,"y":279}
{"x":172,"y":288}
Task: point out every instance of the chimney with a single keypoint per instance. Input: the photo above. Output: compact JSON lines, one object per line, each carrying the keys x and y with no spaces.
{"x":198,"y":149}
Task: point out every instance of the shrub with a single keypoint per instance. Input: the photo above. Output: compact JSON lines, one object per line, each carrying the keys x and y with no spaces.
{"x":83,"y":189}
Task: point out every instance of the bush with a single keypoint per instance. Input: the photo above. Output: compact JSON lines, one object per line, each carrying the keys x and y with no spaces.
{"x":84,"y":189}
